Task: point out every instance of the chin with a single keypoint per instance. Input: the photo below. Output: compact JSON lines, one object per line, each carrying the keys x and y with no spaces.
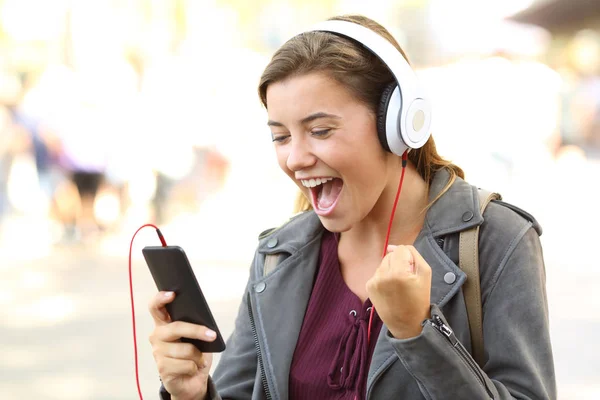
{"x":336,"y":225}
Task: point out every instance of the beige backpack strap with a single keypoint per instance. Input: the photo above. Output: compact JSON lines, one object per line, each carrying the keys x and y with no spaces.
{"x":270,"y":263}
{"x":469,"y":263}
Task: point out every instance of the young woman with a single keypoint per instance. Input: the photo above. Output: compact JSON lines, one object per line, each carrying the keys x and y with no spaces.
{"x":304,"y":330}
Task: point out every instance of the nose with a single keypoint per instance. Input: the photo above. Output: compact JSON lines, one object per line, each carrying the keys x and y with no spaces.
{"x":300,"y":156}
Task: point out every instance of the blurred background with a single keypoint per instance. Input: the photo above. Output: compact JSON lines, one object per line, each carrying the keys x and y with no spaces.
{"x":114,"y":113}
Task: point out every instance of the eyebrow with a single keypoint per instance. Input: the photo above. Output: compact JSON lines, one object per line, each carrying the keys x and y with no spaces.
{"x":307,"y":119}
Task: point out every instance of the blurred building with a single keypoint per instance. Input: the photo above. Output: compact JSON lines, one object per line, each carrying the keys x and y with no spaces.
{"x":562,"y":16}
{"x":574,"y":53}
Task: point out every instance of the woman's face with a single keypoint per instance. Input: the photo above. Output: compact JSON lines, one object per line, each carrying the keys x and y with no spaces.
{"x":326,"y":142}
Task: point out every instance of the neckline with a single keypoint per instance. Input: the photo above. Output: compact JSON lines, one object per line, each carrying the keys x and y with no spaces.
{"x":362,"y":309}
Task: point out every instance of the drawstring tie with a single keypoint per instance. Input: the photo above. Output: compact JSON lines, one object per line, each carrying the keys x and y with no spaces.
{"x":348,"y":366}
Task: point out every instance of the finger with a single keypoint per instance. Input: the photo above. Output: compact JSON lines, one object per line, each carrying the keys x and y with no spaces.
{"x":182,"y":351}
{"x":168,"y":367}
{"x":157,"y":307}
{"x":179,"y":329}
{"x":390,"y":248}
{"x":403,"y":259}
{"x":386,"y":263}
{"x":420,"y":265}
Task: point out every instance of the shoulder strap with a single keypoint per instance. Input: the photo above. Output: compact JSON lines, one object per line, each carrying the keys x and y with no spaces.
{"x":468,"y":257}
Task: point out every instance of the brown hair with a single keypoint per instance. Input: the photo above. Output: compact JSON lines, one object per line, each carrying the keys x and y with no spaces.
{"x":360,"y":71}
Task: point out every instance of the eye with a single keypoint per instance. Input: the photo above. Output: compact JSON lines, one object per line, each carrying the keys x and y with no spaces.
{"x":323,"y":132}
{"x":280,"y":138}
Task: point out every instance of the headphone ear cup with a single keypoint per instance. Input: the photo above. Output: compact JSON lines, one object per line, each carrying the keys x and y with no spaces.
{"x":382,"y":114}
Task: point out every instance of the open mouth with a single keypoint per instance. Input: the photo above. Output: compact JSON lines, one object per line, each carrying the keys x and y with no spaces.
{"x":325,"y":193}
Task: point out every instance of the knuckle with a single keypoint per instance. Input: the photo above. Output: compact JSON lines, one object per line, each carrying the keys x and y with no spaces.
{"x":401,"y":253}
{"x":176,"y":326}
{"x":376,"y":285}
{"x":158,"y":332}
{"x":155,"y":335}
{"x":156,"y":353}
{"x":191,"y":366}
{"x":160,"y":365}
{"x":203,"y":359}
{"x":186,"y":350}
{"x":154,"y":301}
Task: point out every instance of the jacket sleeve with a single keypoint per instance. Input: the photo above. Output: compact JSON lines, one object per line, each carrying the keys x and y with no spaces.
{"x":519,"y":362}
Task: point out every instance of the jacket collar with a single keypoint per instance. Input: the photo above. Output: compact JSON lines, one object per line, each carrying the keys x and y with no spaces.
{"x":456,"y":210}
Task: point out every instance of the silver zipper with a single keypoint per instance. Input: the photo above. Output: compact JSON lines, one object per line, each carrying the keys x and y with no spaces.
{"x":263,"y":375}
{"x":439,"y":325}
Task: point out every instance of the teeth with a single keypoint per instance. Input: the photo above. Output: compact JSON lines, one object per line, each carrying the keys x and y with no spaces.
{"x":310,"y":183}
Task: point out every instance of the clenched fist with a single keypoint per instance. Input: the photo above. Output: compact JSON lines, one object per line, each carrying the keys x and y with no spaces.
{"x":400,"y":291}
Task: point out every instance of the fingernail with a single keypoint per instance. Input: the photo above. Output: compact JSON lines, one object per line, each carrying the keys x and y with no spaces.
{"x":211,"y":334}
{"x":168,"y":294}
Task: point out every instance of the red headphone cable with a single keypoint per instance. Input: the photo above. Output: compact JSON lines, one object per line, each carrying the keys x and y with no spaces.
{"x":387,"y":236}
{"x":164,"y":244}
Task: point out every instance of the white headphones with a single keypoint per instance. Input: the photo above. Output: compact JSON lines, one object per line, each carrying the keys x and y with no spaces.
{"x":404,"y":114}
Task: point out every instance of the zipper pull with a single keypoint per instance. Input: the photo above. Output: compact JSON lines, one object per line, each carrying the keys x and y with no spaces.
{"x":437,"y":322}
{"x":439,"y":325}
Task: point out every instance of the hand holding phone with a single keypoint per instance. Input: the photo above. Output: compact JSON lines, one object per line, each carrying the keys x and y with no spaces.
{"x":172,"y":272}
{"x":183,"y":369}
{"x":185,"y":332}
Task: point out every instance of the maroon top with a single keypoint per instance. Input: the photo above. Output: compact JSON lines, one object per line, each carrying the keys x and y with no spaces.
{"x":331,"y":359}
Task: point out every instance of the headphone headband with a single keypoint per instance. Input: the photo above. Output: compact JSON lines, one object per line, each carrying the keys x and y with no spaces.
{"x":413,"y":119}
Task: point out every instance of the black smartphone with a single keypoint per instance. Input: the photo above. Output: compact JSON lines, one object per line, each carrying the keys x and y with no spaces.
{"x":172,"y":272}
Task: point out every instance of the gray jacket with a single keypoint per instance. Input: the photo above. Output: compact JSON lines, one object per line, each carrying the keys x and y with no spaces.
{"x":437,"y":363}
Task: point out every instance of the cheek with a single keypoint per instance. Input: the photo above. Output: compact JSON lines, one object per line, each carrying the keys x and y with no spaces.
{"x":367,"y":163}
{"x":366,"y":172}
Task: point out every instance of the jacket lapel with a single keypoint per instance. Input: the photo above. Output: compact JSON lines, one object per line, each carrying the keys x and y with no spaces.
{"x":283,"y":296}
